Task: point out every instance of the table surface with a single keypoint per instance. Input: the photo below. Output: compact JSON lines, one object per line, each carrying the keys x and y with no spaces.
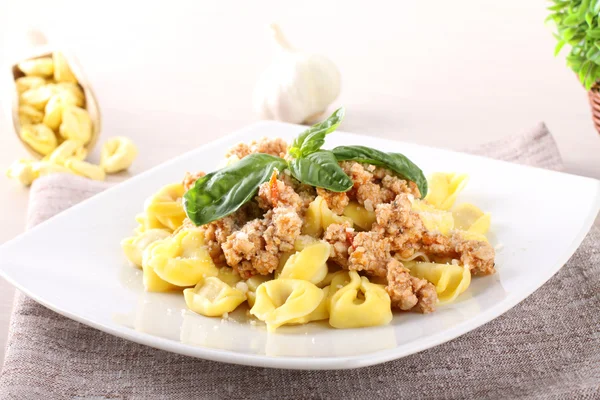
{"x":446,"y":74}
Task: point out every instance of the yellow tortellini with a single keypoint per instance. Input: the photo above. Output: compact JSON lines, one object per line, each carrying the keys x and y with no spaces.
{"x":212,"y":297}
{"x":76,"y":124}
{"x":37,"y":97}
{"x":43,"y":168}
{"x":285,"y":301}
{"x":361,"y":217}
{"x":134,"y":247}
{"x":358,"y":303}
{"x":117,"y":154}
{"x":29,"y":115}
{"x":433,"y":219}
{"x":318,"y":314}
{"x":166,"y":206}
{"x":23,"y":171}
{"x":444,"y":188}
{"x":229,"y":276}
{"x":449,"y":280}
{"x":309,"y":264}
{"x":55,"y":106}
{"x":62,"y":72}
{"x":181,"y":259}
{"x":67,"y":150}
{"x":39,"y":137}
{"x":25,"y":83}
{"x":43,"y":67}
{"x":468,"y":217}
{"x":154,"y":283}
{"x":253,"y":284}
{"x":319,"y":217}
{"x":86,"y":169}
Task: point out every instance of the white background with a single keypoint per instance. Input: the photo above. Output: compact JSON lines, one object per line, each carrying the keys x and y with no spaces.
{"x":174,"y":75}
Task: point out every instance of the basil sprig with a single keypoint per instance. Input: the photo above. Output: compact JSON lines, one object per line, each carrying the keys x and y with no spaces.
{"x":313,"y":166}
{"x":313,"y":138}
{"x":396,"y":162}
{"x":223,"y":192}
{"x":321,"y":169}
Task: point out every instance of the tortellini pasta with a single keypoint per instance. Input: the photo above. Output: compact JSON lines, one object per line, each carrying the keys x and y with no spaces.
{"x":86,"y":169}
{"x":39,"y":137}
{"x":76,"y":124}
{"x":54,"y":108}
{"x":134,"y":247}
{"x":468,"y":217}
{"x":212,"y":297}
{"x":42,"y":66}
{"x":253,"y":284}
{"x":444,"y":188}
{"x":433,"y":219}
{"x":359,"y":303}
{"x":23,"y":171}
{"x":229,"y":276}
{"x":117,"y":154}
{"x":360,"y":216}
{"x":67,"y":150}
{"x":181,"y":259}
{"x":29,"y":115}
{"x":319,"y":217}
{"x":449,"y":280}
{"x":37,"y":97}
{"x":25,"y":83}
{"x":166,"y":206}
{"x":309,"y":264}
{"x":154,"y":283}
{"x":62,"y":72}
{"x":285,"y":301}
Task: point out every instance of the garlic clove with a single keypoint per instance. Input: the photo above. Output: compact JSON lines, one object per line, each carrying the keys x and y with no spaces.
{"x":39,"y":137}
{"x":117,"y":154}
{"x":297,"y":87}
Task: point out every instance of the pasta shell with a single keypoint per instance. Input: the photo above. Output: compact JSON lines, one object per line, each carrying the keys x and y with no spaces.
{"x":76,"y":124}
{"x":25,"y":83}
{"x":117,"y":154}
{"x":43,"y":67}
{"x":39,"y":137}
{"x":62,"y":72}
{"x":86,"y":169}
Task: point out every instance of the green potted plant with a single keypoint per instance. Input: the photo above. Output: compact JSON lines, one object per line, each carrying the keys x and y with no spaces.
{"x":578,"y":26}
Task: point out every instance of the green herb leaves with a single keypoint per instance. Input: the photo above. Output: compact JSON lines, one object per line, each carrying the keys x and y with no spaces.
{"x":313,"y":138}
{"x":394,"y":161}
{"x":577,"y":25}
{"x":321,"y":169}
{"x":313,"y":166}
{"x":223,"y":192}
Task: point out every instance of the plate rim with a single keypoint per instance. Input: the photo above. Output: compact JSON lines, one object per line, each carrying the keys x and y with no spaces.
{"x":303,"y":362}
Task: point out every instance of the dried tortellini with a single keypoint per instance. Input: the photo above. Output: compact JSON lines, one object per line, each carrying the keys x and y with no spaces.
{"x":117,"y":154}
{"x":51,"y":112}
{"x":285,"y":301}
{"x":359,"y":303}
{"x":181,"y":259}
{"x":212,"y":297}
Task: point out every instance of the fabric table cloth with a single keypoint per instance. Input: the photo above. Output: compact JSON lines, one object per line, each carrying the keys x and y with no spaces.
{"x":546,"y":347}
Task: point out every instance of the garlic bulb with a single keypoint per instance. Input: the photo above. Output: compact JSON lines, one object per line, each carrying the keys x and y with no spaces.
{"x":297,"y":87}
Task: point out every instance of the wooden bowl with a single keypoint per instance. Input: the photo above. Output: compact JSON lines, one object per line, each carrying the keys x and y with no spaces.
{"x":39,"y":48}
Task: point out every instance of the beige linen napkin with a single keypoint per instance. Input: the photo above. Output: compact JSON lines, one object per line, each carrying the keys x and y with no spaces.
{"x":546,"y":347}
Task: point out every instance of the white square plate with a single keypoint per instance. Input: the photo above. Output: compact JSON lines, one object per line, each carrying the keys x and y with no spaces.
{"x":74,"y":265}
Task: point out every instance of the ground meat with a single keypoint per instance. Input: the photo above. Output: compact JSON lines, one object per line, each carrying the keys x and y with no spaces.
{"x":408,"y":292}
{"x":477,"y":255}
{"x":340,"y":236}
{"x":276,"y":192}
{"x":401,"y":225}
{"x":370,"y":253}
{"x":356,"y":172}
{"x":335,"y":201}
{"x":276,"y":147}
{"x":190,"y":179}
{"x":283,"y":230}
{"x":397,"y":186}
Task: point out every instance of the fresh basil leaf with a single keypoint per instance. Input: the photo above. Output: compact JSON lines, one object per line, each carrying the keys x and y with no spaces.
{"x":313,"y":138}
{"x":321,"y":169}
{"x":397,"y":162}
{"x":223,"y":192}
